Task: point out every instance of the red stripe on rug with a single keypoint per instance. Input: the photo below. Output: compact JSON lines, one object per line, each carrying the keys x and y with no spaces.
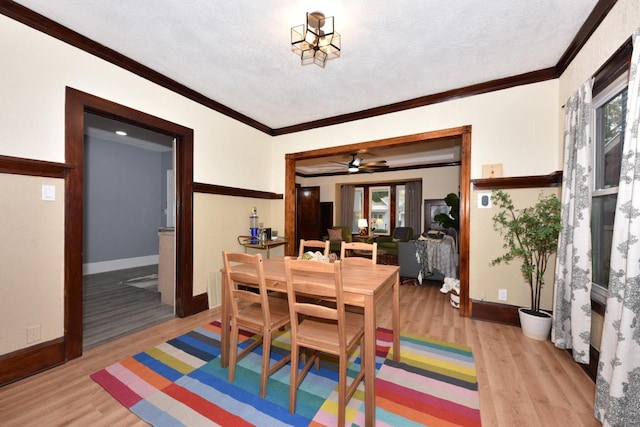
{"x":201,"y":405}
{"x":427,"y":404}
{"x":116,"y":388}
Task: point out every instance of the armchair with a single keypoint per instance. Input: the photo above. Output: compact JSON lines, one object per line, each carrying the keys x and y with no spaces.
{"x":335,"y":244}
{"x":390,"y":244}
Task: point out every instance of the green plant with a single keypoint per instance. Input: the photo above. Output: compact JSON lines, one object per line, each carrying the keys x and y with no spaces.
{"x":451,"y":219}
{"x":530,"y":234}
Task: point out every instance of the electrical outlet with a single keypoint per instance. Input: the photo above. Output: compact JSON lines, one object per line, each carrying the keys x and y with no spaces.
{"x":502,"y":294}
{"x":33,"y":334}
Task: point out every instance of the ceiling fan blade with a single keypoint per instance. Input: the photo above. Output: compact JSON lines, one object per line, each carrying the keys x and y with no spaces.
{"x":382,"y":163}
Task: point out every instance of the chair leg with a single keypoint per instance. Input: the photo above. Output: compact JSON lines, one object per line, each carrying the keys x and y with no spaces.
{"x":233,"y":352}
{"x":266,"y":357}
{"x":293,"y":379}
{"x":342,"y":388}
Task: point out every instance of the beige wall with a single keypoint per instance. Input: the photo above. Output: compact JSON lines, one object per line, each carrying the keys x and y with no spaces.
{"x":518,"y":127}
{"x":31,"y":261}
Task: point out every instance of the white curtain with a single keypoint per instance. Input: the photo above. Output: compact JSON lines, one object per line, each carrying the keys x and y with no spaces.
{"x":617,"y":400}
{"x":571,"y":327}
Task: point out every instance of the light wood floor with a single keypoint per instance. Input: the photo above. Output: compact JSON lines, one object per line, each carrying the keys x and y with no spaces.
{"x":522,"y":382}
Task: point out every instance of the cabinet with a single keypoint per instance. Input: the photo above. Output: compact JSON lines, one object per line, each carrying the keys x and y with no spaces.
{"x":166,"y":265}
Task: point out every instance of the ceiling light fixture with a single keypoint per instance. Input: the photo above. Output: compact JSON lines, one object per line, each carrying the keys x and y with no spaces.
{"x":121,"y":133}
{"x":316,"y":42}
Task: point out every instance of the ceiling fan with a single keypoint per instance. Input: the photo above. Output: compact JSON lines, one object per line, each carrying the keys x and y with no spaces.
{"x":357,"y":165}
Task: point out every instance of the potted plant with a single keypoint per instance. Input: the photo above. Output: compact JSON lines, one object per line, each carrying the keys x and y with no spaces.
{"x":530,"y":234}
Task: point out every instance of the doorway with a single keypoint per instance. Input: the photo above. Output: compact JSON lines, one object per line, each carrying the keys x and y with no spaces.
{"x":77,"y":104}
{"x":127,"y":207}
{"x":463,"y":132}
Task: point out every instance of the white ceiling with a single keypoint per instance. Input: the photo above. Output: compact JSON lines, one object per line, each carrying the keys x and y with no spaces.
{"x":237,"y":52}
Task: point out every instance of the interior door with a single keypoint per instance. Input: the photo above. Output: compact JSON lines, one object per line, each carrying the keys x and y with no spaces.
{"x":308,"y":213}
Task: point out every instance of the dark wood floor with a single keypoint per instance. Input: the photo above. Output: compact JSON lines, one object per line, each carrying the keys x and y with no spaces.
{"x":113,"y":309}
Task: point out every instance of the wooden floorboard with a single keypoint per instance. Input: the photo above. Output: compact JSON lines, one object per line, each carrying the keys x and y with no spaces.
{"x":113,"y":309}
{"x":522,"y":382}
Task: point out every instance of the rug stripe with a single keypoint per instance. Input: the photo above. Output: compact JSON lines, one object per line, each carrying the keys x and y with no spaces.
{"x":162,"y":369}
{"x":234,"y":398}
{"x":203,"y":407}
{"x":423,"y":403}
{"x":189,"y":361}
{"x":131,"y":380}
{"x":145,"y":373}
{"x":169,"y":360}
{"x":197,"y":345}
{"x":116,"y":388}
{"x":155,"y":415}
{"x":420,"y":384}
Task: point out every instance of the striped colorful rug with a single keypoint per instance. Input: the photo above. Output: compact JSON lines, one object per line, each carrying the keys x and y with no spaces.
{"x":180,"y":382}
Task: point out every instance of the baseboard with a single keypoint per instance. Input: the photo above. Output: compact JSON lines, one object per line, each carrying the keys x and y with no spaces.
{"x":591,"y":369}
{"x":32,"y":360}
{"x":495,"y":312}
{"x":118,"y":264}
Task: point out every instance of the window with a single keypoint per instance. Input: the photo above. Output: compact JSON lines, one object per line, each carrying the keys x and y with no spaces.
{"x":610,"y":107}
{"x":380,"y":209}
{"x":400,"y":221}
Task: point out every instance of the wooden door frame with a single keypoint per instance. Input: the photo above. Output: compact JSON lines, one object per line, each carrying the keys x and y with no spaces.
{"x":463,"y":132}
{"x":77,"y":103}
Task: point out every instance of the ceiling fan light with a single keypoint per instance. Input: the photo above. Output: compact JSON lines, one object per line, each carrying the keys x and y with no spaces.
{"x":352,"y":168}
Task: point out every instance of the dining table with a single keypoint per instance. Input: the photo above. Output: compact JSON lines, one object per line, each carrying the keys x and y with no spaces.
{"x":364,"y":286}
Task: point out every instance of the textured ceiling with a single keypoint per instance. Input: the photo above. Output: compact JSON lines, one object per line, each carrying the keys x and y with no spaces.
{"x":237,"y":52}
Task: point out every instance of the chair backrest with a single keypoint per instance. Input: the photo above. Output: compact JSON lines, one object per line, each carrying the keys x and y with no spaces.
{"x":369,"y":248}
{"x":314,"y":244}
{"x":321,"y":280}
{"x":403,"y":234}
{"x":237,"y":273}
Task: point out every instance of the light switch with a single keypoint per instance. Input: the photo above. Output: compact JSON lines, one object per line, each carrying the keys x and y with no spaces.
{"x":48,"y":192}
{"x":484,"y":200}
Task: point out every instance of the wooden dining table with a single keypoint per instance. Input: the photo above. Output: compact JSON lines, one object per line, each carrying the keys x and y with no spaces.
{"x":364,"y":286}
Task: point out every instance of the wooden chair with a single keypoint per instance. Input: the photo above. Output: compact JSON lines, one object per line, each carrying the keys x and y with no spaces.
{"x":256,"y":312}
{"x":371,"y":249}
{"x":320,"y":328}
{"x":314,"y":244}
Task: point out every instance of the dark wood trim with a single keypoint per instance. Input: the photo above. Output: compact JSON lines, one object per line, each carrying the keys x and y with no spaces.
{"x":66,"y":35}
{"x":403,"y":168}
{"x":199,"y":303}
{"x":592,"y":368}
{"x":47,"y":26}
{"x":199,"y":187}
{"x":495,"y":312}
{"x":77,"y":103}
{"x":598,"y":306}
{"x":616,"y":65}
{"x":477,"y":89}
{"x":22,"y":166}
{"x":554,"y":179}
{"x":463,"y":132}
{"x":599,"y":12}
{"x":28,"y":361}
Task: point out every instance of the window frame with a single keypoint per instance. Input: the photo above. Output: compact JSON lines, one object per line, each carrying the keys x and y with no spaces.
{"x":598,"y":292}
